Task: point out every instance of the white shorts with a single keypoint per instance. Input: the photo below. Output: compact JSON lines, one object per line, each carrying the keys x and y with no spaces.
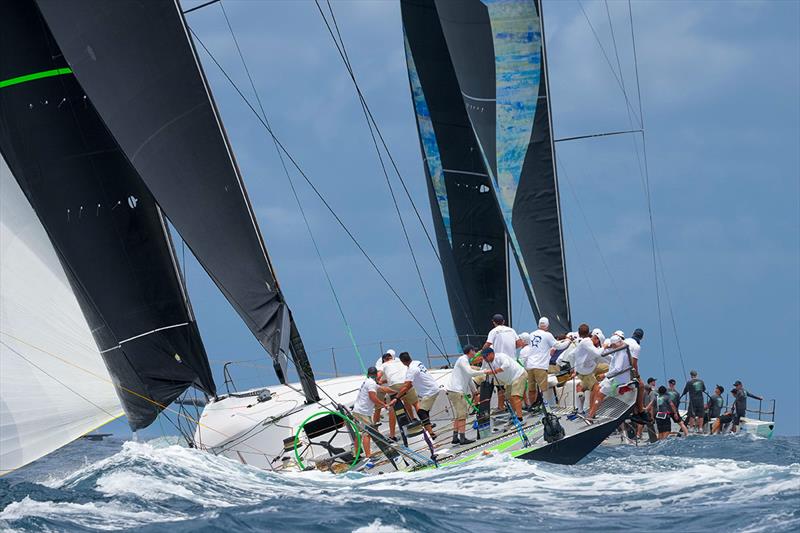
{"x":608,"y":386}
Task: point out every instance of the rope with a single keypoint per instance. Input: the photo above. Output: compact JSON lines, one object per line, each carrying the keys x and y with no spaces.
{"x":348,"y":329}
{"x":316,"y":191}
{"x":340,"y":47}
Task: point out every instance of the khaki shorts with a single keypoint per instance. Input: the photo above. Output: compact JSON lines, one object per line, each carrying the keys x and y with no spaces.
{"x":553,"y":369}
{"x":517,"y":387}
{"x":364,"y":419}
{"x":426,"y":403}
{"x":459,"y":404}
{"x":410,"y":396}
{"x":601,"y":368}
{"x":588,"y":381}
{"x":537,"y":377}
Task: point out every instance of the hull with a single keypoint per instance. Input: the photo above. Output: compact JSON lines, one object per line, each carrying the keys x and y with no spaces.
{"x":267,"y":430}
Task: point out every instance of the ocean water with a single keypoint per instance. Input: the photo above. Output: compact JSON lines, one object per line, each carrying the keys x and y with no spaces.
{"x":721,"y":483}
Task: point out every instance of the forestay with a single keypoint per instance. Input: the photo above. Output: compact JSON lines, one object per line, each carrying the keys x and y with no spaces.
{"x":54,"y":386}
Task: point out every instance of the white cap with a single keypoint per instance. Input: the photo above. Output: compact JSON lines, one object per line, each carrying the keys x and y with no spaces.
{"x":544,"y":322}
{"x":572,"y":335}
{"x":614,"y":339}
{"x":619,"y":334}
{"x":597,"y":332}
{"x":390,"y":352}
{"x":526,"y":337}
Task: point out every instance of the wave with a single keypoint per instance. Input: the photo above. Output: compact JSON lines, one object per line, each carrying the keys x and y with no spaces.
{"x":700,"y":482}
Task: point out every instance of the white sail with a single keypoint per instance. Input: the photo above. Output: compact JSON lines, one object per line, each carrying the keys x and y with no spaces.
{"x":54,"y":386}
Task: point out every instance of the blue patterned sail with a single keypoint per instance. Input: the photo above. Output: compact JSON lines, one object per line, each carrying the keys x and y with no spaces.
{"x":496,"y":49}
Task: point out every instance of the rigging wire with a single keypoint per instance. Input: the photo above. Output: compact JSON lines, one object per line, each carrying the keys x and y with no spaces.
{"x":296,"y":196}
{"x":340,"y":47}
{"x":317,"y":191}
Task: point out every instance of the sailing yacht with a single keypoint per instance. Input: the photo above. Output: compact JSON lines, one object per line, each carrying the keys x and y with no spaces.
{"x":110,"y":134}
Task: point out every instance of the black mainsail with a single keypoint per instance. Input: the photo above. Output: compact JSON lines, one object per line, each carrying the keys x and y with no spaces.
{"x":138,"y":66}
{"x":469,"y":227}
{"x":497,"y":52}
{"x":103,"y":222}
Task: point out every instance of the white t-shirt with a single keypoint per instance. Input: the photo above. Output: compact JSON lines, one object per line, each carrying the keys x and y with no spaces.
{"x":586,"y":356}
{"x":503,"y":340}
{"x":461,"y":377}
{"x":511,"y":369}
{"x":394,"y":371}
{"x":634,"y":347}
{"x":619,"y":362}
{"x":541,"y":342}
{"x":379,"y":364}
{"x":422,"y":382}
{"x":364,"y":404}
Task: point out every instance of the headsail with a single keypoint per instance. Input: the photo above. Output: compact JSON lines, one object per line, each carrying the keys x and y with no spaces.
{"x":497,"y":50}
{"x":103,"y":223}
{"x":54,"y":386}
{"x":138,"y":66}
{"x":469,"y":228}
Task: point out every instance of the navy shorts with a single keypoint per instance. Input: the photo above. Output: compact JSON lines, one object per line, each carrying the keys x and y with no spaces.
{"x":696,"y":409}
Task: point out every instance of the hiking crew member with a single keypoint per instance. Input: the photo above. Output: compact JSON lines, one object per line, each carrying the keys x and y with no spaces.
{"x":740,"y":403}
{"x":538,"y":360}
{"x":508,"y":373}
{"x":502,"y":339}
{"x":695,"y":389}
{"x":459,"y":385}
{"x":587,"y":355}
{"x":427,"y":389}
{"x":366,"y":401}
{"x":619,"y":373}
{"x":664,"y":409}
{"x":648,"y":414}
{"x":675,"y":398}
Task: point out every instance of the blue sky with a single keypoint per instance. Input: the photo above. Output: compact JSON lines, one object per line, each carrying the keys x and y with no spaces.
{"x":720,"y":84}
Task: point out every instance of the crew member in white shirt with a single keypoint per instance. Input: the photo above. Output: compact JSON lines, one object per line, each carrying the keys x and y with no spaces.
{"x":599,"y":340}
{"x":365,"y":404}
{"x":427,"y":389}
{"x":509,"y":373}
{"x":537,"y":363}
{"x":635,"y":346}
{"x":619,"y":373}
{"x":392,"y":375}
{"x":459,"y":386}
{"x":501,"y":339}
{"x":587,"y":355}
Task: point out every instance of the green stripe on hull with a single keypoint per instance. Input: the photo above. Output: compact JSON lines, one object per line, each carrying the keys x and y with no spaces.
{"x":35,"y":76}
{"x":500,"y":447}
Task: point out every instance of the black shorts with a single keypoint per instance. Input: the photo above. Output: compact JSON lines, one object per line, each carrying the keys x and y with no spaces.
{"x":736,"y":419}
{"x":725,"y":419}
{"x":663,"y":425}
{"x":696,"y":409}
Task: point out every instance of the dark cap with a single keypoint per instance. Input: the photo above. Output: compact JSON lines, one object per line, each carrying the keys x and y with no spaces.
{"x":487,"y":351}
{"x":372,"y":371}
{"x":638,"y":334}
{"x":693,"y":373}
{"x":498,"y":318}
{"x":468,"y":348}
{"x":650,"y":380}
{"x":672,"y":382}
{"x":737,"y":383}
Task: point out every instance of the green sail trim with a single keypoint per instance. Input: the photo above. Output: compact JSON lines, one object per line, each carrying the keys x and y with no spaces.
{"x":35,"y":76}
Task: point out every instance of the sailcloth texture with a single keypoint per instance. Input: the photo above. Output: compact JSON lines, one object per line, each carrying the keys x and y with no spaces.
{"x":54,"y":386}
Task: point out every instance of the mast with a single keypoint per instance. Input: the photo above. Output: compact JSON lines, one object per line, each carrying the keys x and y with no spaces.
{"x":507,"y":250}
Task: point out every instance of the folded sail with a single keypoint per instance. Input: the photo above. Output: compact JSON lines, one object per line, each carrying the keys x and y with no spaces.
{"x":104,"y":225}
{"x":139,"y":68}
{"x":54,"y":386}
{"x":469,"y":227}
{"x":497,"y":50}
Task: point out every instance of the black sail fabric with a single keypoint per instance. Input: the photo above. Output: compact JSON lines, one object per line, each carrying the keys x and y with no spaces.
{"x":497,"y":50}
{"x":136,"y":61}
{"x":469,"y":227}
{"x":104,"y":224}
